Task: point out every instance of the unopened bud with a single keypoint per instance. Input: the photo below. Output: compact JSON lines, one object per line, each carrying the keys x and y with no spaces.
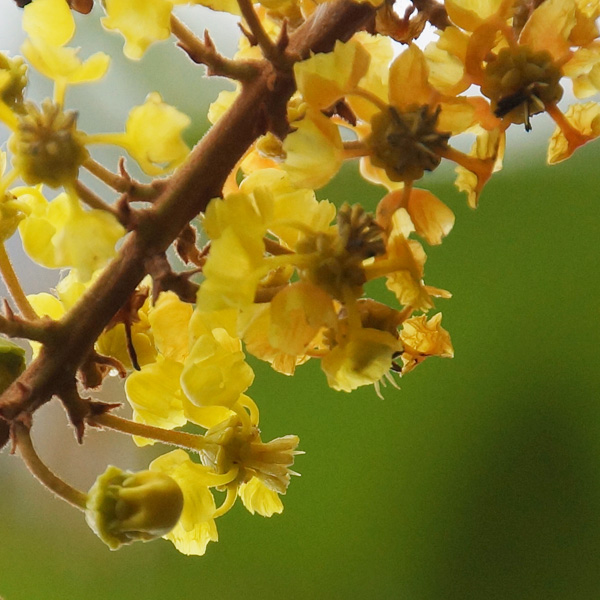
{"x":12,"y":362}
{"x":126,"y":507}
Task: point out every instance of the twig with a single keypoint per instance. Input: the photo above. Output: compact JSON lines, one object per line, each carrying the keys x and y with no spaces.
{"x":39,"y":330}
{"x":205,"y":53}
{"x":14,"y":285}
{"x":42,"y":473}
{"x":94,"y":201}
{"x":123,"y":182}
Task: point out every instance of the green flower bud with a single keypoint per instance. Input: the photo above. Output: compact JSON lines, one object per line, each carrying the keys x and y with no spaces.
{"x":12,"y":362}
{"x":125,"y":507}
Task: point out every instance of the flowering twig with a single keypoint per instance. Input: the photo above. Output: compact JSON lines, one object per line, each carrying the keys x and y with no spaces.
{"x":181,"y":439}
{"x":185,"y":194}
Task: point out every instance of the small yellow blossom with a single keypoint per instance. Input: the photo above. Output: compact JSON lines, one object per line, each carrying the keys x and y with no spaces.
{"x":61,"y":233}
{"x":422,"y":338}
{"x":215,"y":372}
{"x":50,"y":26}
{"x":363,"y":358}
{"x":237,"y":443}
{"x":152,"y":136}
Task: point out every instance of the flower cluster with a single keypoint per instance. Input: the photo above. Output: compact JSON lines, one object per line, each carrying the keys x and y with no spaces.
{"x":281,"y":273}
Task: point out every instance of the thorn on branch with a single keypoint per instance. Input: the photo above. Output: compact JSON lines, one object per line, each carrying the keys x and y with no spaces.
{"x":164,"y":279}
{"x":78,"y":408}
{"x":43,"y":330}
{"x":96,"y":367}
{"x":186,"y":249}
{"x":274,"y":52}
{"x":99,"y":408}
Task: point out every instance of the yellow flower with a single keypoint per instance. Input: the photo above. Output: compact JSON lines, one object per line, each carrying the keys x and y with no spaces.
{"x":422,"y":338}
{"x":363,"y":358}
{"x":236,"y":442}
{"x":152,"y":136}
{"x":61,"y":233}
{"x":50,"y":25}
{"x":518,"y":57}
{"x":196,"y":526}
{"x":215,"y":372}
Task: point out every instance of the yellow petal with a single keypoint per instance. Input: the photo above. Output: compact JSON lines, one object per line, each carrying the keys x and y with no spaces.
{"x":432,"y":219}
{"x":410,"y":66}
{"x":549,"y":27}
{"x":169,"y":319}
{"x":215,"y":372}
{"x":469,"y":14}
{"x":314,"y":152}
{"x":583,"y":125}
{"x":50,"y":21}
{"x":326,"y":77}
{"x":155,"y":395}
{"x":140,"y":22}
{"x":196,"y":527}
{"x":257,"y":497}
{"x":60,"y":63}
{"x":298,"y":312}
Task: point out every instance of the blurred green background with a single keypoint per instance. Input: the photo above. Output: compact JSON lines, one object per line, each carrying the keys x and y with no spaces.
{"x":477,"y":480}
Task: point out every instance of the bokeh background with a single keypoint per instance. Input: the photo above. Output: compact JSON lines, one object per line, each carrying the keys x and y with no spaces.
{"x":477,"y":480}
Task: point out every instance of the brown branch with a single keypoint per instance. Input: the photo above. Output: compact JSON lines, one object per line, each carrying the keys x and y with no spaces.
{"x":205,"y":53}
{"x":185,"y":195}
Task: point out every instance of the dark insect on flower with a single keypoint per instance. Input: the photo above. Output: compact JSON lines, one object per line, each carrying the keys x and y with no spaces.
{"x":81,"y":6}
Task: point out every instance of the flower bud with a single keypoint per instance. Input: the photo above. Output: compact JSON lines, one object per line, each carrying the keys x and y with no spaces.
{"x":125,"y":507}
{"x":12,"y":362}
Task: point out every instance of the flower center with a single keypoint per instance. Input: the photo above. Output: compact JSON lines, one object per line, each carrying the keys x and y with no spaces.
{"x":337,"y":265}
{"x":47,"y":146}
{"x":521,"y":83}
{"x":406,"y":144}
